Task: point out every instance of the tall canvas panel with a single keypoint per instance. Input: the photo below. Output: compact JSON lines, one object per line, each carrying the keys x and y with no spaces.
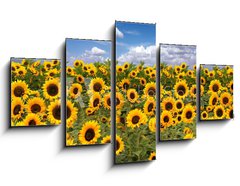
{"x":177,"y":92}
{"x":135,"y":97}
{"x":216,"y":85}
{"x":35,"y":92}
{"x":88,"y":94}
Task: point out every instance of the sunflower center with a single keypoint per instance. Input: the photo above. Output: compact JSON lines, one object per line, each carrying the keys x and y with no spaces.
{"x":79,"y":79}
{"x":189,"y":114}
{"x":91,"y":72}
{"x":96,"y":102}
{"x":18,"y":91}
{"x":48,"y":65}
{"x":179,"y":118}
{"x":20,"y":72}
{"x":104,"y":120}
{"x":69,"y":112}
{"x":52,"y":90}
{"x":117,"y":101}
{"x":109,"y":102}
{"x":13,"y":69}
{"x":181,"y":90}
{"x":204,"y":115}
{"x":215,"y":88}
{"x":35,"y":108}
{"x":135,"y":119}
{"x":16,"y":109}
{"x":166,"y":119}
{"x":150,"y":107}
{"x":219,"y":112}
{"x":151,"y":91}
{"x":232,"y":86}
{"x":56,"y":112}
{"x":122,"y":120}
{"x":89,"y":135}
{"x":154,"y":157}
{"x":117,"y":145}
{"x":75,"y":90}
{"x":143,"y":82}
{"x":194,"y":91}
{"x":51,"y":74}
{"x":97,"y":87}
{"x":179,"y":105}
{"x":169,"y":106}
{"x":132,"y":95}
{"x":32,"y":122}
{"x":225,"y":100}
{"x":231,"y":114}
{"x":214,"y":101}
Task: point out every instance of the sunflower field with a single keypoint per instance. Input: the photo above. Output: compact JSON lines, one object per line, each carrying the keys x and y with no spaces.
{"x":135,"y":113}
{"x":178,"y":101}
{"x":216,"y":92}
{"x":88,"y":103}
{"x":35,"y":92}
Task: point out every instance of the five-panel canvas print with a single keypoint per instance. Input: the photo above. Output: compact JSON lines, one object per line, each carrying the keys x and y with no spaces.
{"x":119,"y":90}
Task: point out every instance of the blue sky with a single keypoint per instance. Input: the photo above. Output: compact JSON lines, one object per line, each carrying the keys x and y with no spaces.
{"x":135,"y":42}
{"x":210,"y":66}
{"x":87,"y":50}
{"x":176,"y":54}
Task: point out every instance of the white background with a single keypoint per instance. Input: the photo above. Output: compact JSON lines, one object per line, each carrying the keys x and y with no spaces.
{"x":35,"y":156}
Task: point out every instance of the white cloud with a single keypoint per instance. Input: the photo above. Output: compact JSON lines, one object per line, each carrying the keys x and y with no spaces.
{"x":140,"y":53}
{"x":119,"y":33}
{"x":97,"y":51}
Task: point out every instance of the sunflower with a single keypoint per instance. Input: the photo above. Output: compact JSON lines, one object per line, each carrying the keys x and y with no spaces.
{"x":168,"y":104}
{"x":125,"y":84}
{"x":75,"y":90}
{"x":213,"y":100}
{"x":71,"y":112}
{"x":32,"y":120}
{"x":126,"y":65}
{"x":193,"y":91}
{"x":133,"y":73}
{"x":179,"y":118}
{"x":230,"y":71}
{"x":184,"y":65}
{"x":107,"y":101}
{"x":132,"y":95}
{"x":55,"y":62}
{"x":135,"y":118}
{"x":51,"y":73}
{"x":17,"y":107}
{"x":177,"y":69}
{"x":152,"y":156}
{"x":119,"y":100}
{"x":152,"y":124}
{"x":89,"y":111}
{"x":95,"y":100}
{"x":78,"y":63}
{"x":181,"y":75}
{"x":51,"y":89}
{"x":219,"y":112}
{"x":25,"y":62}
{"x":229,"y":113}
{"x":106,"y":139}
{"x":150,"y":106}
{"x":143,"y":81}
{"x":19,"y":89}
{"x":153,"y":75}
{"x":54,"y":112}
{"x":206,"y":71}
{"x":188,"y":114}
{"x":120,"y":69}
{"x":201,"y":90}
{"x":47,"y":65}
{"x":211,"y":74}
{"x":215,"y":85}
{"x":166,"y":119}
{"x":204,"y":115}
{"x":89,"y":133}
{"x":209,"y":108}
{"x":70,"y":71}
{"x":150,"y":89}
{"x":203,"y":81}
{"x":97,"y":85}
{"x":119,"y":145}
{"x":36,"y":105}
{"x":80,"y":79}
{"x":181,"y":89}
{"x":226,"y":99}
{"x":92,"y":71}
{"x":21,"y":71}
{"x":179,"y":104}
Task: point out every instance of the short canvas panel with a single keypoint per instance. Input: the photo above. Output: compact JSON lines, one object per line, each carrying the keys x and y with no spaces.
{"x":135,"y":105}
{"x":88,"y":95}
{"x":35,"y":92}
{"x":177,"y":92}
{"x":216,"y":98}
